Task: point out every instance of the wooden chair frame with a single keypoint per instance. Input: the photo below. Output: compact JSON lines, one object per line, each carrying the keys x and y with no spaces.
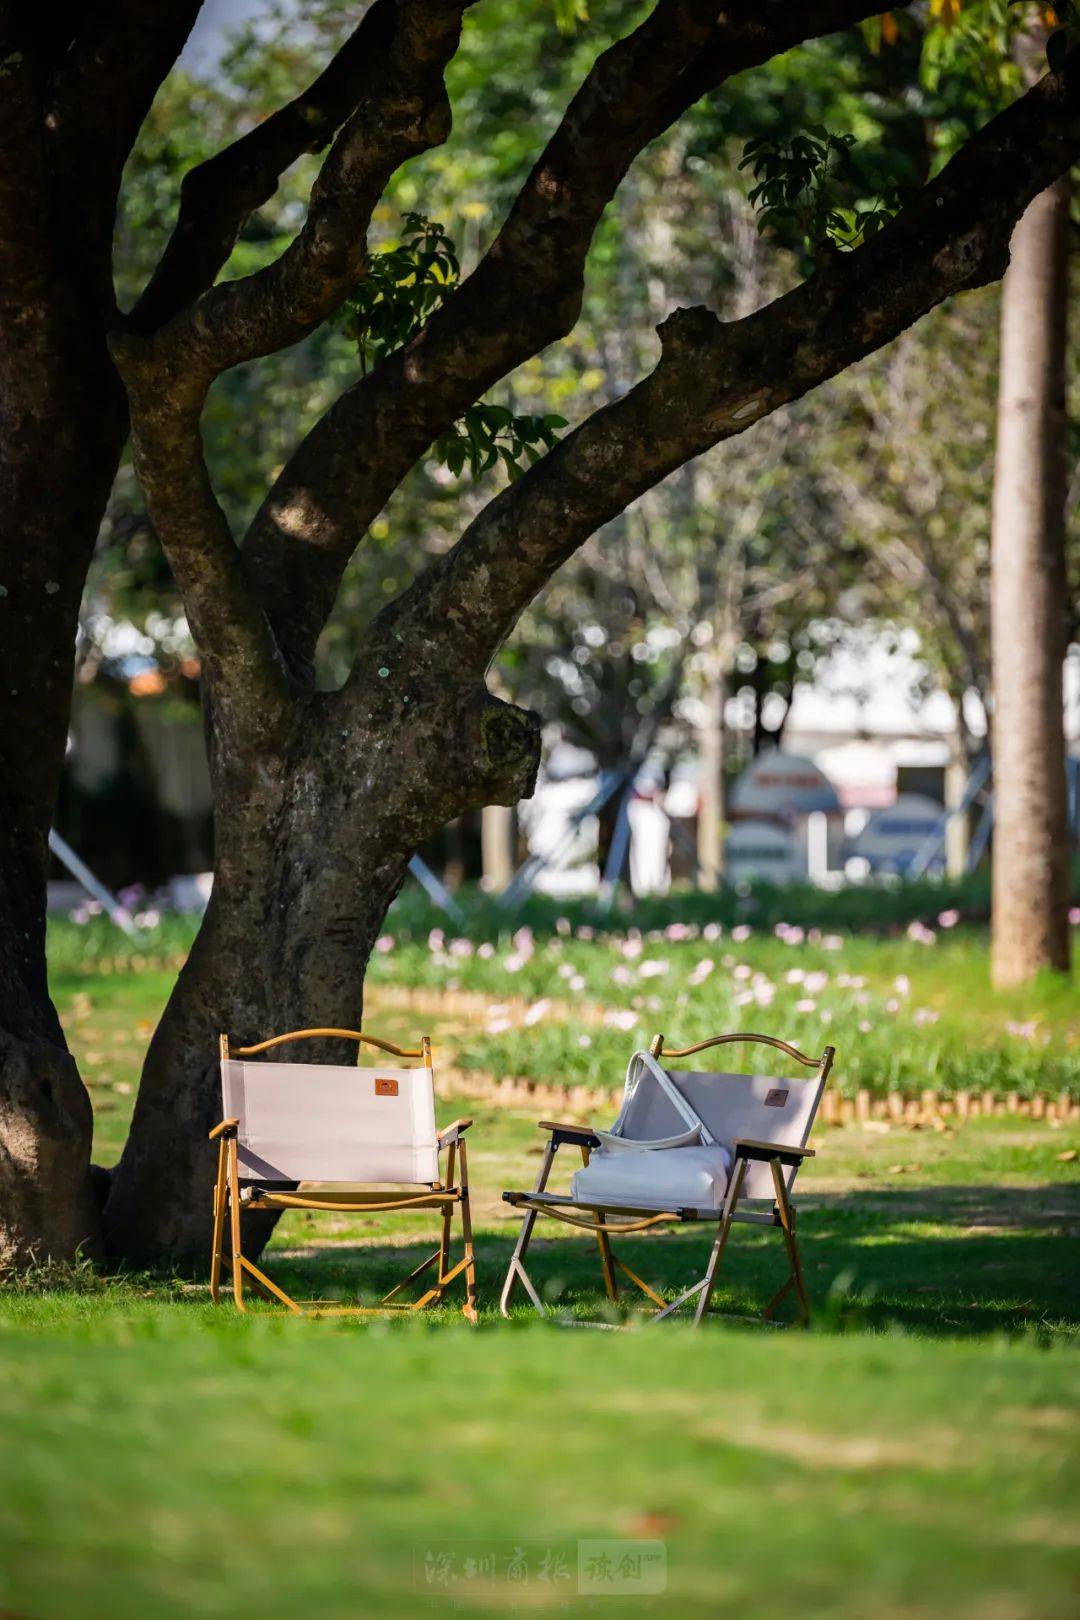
{"x":231,"y":1201}
{"x":611,"y":1220}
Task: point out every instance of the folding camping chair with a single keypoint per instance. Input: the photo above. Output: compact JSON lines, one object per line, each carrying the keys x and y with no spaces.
{"x":335,"y":1138}
{"x":722,"y":1148}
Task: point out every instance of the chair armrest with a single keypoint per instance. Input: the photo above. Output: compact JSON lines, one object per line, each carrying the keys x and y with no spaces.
{"x":452,"y":1132}
{"x":580,"y":1135}
{"x":226,"y":1128}
{"x":747,"y":1148}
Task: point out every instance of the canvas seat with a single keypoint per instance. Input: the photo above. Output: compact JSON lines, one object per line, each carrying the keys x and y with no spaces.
{"x":687,"y":1146}
{"x":676,"y":1177}
{"x":335,"y":1138}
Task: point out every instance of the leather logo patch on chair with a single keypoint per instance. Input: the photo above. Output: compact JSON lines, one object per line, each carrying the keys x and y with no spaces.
{"x":775,"y":1098}
{"x":386,"y":1088}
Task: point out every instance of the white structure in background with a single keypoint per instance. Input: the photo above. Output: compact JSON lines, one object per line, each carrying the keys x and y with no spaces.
{"x":867,"y":721}
{"x":190,"y":893}
{"x":793,"y":795}
{"x":762,"y":851}
{"x":566,"y":786}
{"x":894,"y":836}
{"x":868,"y":715}
{"x":650,"y":839}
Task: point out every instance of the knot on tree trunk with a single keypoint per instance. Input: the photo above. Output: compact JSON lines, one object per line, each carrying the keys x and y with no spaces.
{"x":503,"y":744}
{"x":688,"y":329}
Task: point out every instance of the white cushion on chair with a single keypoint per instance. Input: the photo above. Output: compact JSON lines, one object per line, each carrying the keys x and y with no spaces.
{"x":665,"y":1178}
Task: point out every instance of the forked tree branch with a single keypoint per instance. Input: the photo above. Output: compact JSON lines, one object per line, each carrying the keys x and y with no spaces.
{"x":525,"y":294}
{"x":246,"y":678}
{"x":401,"y":108}
{"x":714,"y":380}
{"x":217,"y":196}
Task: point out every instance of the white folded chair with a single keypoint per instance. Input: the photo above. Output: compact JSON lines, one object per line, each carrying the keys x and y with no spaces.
{"x":319,"y":1136}
{"x":687,"y":1146}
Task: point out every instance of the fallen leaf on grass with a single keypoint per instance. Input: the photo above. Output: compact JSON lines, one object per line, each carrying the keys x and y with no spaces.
{"x":652,"y":1524}
{"x":1067,"y":1157}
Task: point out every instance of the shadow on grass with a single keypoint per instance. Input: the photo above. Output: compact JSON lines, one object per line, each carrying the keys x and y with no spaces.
{"x":960,"y":1261}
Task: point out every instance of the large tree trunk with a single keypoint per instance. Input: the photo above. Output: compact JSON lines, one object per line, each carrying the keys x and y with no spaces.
{"x":313,"y":842}
{"x":62,"y":425}
{"x":1028,"y":602}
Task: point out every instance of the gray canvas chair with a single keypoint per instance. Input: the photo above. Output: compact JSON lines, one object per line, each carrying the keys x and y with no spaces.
{"x":336,"y":1138}
{"x":688,"y":1146}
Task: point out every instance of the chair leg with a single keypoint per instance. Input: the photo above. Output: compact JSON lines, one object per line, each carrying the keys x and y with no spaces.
{"x":220,"y":1198}
{"x":650,"y":1293}
{"x":787,"y":1224}
{"x":611,"y":1286}
{"x":469,"y":1308}
{"x":516,"y":1267}
{"x":265,"y":1286}
{"x":447,"y":1220}
{"x":781,"y":1293}
{"x":234,"y":1230}
{"x":708,"y":1282}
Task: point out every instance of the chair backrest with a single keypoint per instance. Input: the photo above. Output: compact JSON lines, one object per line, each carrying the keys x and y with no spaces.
{"x":762,"y":1107}
{"x":330,"y":1122}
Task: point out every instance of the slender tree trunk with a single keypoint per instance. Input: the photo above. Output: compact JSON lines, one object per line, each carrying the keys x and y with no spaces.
{"x":62,"y":425}
{"x":1030,"y":876}
{"x":712,"y":795}
{"x":313,"y":838}
{"x":958,"y":827}
{"x":497,"y":846}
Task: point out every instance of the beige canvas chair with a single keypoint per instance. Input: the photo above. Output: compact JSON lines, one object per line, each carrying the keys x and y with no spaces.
{"x":336,"y":1138}
{"x":688,"y":1146}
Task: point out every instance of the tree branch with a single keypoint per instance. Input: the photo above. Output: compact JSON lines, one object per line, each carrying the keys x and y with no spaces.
{"x":246,"y":677}
{"x":217,"y":196}
{"x":525,"y":293}
{"x":401,"y":108}
{"x":714,"y":380}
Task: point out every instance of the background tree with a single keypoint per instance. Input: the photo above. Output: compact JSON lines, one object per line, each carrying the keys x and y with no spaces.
{"x":1029,"y":603}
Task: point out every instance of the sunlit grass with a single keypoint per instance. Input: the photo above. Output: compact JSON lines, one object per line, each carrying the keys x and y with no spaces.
{"x":913,"y":1455}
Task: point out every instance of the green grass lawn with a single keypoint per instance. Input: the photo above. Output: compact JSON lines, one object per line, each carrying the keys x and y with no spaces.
{"x":914,"y":1454}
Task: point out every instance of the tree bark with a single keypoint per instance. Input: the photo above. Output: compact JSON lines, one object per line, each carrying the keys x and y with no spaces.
{"x":1028,"y":603}
{"x":63,"y":424}
{"x":313,"y":840}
